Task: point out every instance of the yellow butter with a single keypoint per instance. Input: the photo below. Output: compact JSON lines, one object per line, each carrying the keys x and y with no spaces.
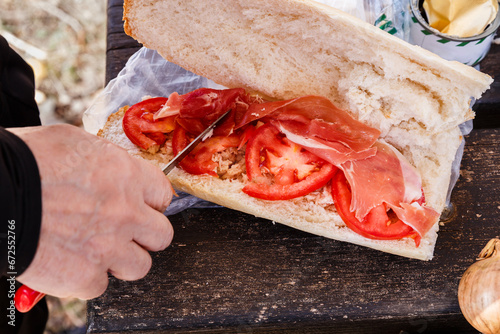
{"x":462,"y":18}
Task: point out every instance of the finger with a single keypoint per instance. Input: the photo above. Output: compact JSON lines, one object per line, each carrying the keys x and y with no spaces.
{"x":154,"y":232}
{"x":95,"y":287}
{"x":157,"y":188}
{"x":132,"y":263}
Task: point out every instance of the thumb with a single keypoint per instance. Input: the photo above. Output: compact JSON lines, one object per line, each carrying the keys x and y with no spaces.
{"x":158,"y":190}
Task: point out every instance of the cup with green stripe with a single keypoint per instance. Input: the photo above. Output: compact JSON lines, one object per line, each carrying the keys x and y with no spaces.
{"x":467,"y":50}
{"x":392,"y":17}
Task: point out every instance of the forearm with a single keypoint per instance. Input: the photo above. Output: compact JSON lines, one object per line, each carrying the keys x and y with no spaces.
{"x":20,"y":204}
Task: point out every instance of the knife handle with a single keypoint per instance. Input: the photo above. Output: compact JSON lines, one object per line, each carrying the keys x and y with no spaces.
{"x":25,"y":298}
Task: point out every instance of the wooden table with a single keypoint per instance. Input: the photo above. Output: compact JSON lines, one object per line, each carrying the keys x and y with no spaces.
{"x":228,"y":272}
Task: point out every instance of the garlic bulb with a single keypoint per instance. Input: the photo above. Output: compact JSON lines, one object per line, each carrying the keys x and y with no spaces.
{"x":479,"y":290}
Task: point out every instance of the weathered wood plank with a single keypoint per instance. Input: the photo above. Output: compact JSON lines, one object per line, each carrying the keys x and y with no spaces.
{"x":487,"y":107}
{"x":229,"y":271}
{"x":119,"y":46}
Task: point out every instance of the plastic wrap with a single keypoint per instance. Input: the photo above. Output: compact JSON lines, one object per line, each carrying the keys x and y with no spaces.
{"x":353,"y":7}
{"x":146,"y":73}
{"x":391,"y":16}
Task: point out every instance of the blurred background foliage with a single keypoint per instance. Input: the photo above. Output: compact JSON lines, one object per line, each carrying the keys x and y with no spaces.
{"x":65,"y":42}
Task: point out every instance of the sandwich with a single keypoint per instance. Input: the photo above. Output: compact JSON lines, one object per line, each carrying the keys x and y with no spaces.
{"x":336,"y":128}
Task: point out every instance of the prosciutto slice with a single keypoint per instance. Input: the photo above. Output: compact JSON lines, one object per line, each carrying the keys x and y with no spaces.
{"x":380,"y":179}
{"x":384,"y":176}
{"x":199,"y":108}
{"x":420,"y":218}
{"x":375,"y":170}
{"x":315,"y":117}
{"x":333,"y":152}
{"x":171,"y":108}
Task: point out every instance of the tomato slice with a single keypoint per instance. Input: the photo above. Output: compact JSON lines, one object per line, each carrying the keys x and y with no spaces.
{"x":378,"y":224}
{"x":199,"y":161}
{"x":179,"y":139}
{"x":289,"y":170}
{"x":247,"y":132}
{"x":141,"y":128}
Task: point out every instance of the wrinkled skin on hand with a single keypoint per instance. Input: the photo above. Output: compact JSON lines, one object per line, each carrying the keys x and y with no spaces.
{"x":101,"y":212}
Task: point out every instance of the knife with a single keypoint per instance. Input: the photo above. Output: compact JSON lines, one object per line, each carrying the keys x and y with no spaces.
{"x":25,"y":297}
{"x":204,"y":135}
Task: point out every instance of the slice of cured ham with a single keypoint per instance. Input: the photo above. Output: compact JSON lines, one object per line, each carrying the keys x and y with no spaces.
{"x":420,"y":218}
{"x":170,"y":108}
{"x":385,"y":177}
{"x":333,"y":152}
{"x":376,"y":171}
{"x":315,"y":117}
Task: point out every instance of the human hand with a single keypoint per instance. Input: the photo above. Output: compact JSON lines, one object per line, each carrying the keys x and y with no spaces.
{"x":101,"y":212}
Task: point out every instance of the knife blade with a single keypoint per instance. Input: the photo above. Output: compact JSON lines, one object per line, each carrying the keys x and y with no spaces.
{"x":182,"y":154}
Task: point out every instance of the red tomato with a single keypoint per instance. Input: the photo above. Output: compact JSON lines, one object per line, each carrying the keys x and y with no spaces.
{"x":247,"y":133}
{"x":289,"y":170}
{"x":142,"y":129}
{"x":180,"y":139}
{"x":199,"y":161}
{"x":378,"y":224}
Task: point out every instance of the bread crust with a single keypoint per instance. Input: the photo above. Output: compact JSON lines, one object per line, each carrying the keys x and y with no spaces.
{"x":283,"y":49}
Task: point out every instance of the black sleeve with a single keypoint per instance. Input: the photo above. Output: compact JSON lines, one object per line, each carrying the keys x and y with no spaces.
{"x":17,"y":90}
{"x":20,"y":188}
{"x":20,"y":204}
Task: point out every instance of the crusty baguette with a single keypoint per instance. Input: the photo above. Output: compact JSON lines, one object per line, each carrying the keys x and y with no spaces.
{"x":300,"y":213}
{"x":284,"y":49}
